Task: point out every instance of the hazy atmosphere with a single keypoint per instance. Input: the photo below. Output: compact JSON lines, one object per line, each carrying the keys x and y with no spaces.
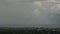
{"x":28,"y":13}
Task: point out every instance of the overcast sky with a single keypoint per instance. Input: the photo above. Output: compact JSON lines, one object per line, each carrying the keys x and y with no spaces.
{"x":29,"y":13}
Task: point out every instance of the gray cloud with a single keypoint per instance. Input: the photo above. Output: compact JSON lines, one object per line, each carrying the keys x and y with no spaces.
{"x":17,"y":12}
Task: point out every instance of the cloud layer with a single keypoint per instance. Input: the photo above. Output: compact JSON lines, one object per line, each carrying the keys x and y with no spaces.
{"x":14,"y":12}
{"x":48,"y":14}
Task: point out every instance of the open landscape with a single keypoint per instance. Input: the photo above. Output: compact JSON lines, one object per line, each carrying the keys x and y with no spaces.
{"x":29,"y":17}
{"x":32,"y":30}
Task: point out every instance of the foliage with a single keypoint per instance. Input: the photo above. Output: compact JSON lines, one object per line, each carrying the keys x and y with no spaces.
{"x":28,"y":31}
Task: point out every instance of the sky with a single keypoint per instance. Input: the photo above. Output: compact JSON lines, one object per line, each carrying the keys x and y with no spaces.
{"x":29,"y":13}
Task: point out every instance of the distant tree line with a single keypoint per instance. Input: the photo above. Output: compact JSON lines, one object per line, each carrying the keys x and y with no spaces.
{"x":28,"y":31}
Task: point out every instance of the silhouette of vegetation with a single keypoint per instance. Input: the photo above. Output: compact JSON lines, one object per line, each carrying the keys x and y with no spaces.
{"x":29,"y":31}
